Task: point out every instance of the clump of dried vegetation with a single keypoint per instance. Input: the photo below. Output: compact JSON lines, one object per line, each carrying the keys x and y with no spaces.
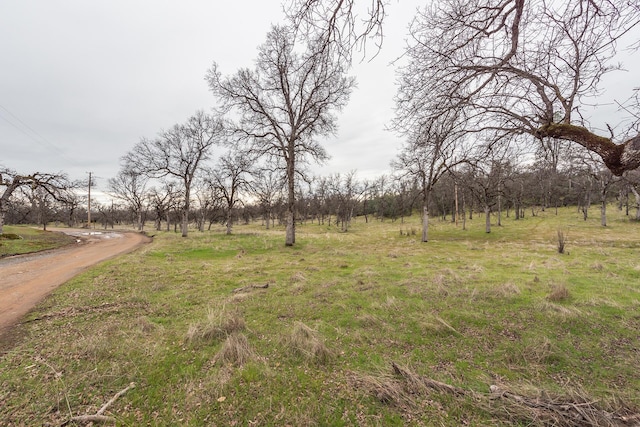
{"x":235,"y":350}
{"x":309,"y":344}
{"x":219,"y":325}
{"x":559,"y":293}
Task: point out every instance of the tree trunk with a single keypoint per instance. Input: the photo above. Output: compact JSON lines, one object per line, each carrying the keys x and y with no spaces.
{"x":487,"y":219}
{"x":603,"y":206}
{"x":618,"y":157}
{"x":290,"y":237}
{"x":636,"y":195}
{"x":229,"y":222}
{"x":425,"y":223}
{"x":185,"y":222}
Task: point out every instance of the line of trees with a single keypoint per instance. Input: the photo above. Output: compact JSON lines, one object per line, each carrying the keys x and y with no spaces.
{"x":482,"y":81}
{"x":235,"y":192}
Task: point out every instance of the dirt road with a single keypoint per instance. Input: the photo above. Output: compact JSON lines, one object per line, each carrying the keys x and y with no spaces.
{"x":26,"y":279}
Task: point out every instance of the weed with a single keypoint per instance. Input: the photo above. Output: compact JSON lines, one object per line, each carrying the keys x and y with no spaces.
{"x":219,"y":325}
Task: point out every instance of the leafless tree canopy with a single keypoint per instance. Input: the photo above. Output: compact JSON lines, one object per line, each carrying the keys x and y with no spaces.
{"x":286,"y":102}
{"x":516,"y":66}
{"x":347,"y":25}
{"x":178,"y":153}
{"x":55,"y":185}
{"x":520,"y":67}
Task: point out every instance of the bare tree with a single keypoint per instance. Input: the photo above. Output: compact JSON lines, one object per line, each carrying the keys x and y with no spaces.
{"x":130,"y":186}
{"x":266,"y":186}
{"x":347,"y":192}
{"x":163,"y":201}
{"x":285,"y":103}
{"x":229,"y":178}
{"x":515,"y":66}
{"x":56,"y":186}
{"x":178,"y":153}
{"x":432,"y":149}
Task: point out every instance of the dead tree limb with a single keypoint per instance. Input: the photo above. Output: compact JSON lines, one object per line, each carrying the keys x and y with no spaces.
{"x":98,"y":417}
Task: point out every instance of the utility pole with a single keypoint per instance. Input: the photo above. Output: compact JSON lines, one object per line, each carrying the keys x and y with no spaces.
{"x":89,"y":204}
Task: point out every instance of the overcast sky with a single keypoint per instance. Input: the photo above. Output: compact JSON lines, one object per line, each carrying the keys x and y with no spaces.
{"x":82,"y":81}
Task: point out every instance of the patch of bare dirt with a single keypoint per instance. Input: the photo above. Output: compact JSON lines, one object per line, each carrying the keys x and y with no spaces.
{"x":28,"y":279}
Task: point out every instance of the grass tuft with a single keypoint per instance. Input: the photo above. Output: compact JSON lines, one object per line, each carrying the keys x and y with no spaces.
{"x":559,"y":293}
{"x":308,"y":343}
{"x":218,"y":326}
{"x":235,"y":350}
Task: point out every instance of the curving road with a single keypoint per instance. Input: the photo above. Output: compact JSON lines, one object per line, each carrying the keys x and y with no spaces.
{"x":26,"y":279}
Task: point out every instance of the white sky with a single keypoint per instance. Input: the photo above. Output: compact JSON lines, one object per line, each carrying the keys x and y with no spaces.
{"x":82,"y":81}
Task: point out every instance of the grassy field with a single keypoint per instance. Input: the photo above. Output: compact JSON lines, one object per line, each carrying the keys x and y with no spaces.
{"x":369,"y":327}
{"x":23,"y":239}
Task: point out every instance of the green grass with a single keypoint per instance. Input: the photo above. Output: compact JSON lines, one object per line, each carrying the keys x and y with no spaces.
{"x":468,"y":309}
{"x":30,"y":240}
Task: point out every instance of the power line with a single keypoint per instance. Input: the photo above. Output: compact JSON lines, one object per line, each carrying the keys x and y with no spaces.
{"x":32,"y":134}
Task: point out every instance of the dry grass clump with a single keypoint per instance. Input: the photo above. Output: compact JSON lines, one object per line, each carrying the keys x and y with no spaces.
{"x":558,"y":309}
{"x":144,"y":325}
{"x":308,"y":343}
{"x":370,"y":321}
{"x":218,"y":326}
{"x":506,"y":290}
{"x":559,"y":293}
{"x":298,"y":277}
{"x":235,"y":350}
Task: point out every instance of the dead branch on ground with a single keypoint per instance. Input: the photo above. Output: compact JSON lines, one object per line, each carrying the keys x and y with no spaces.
{"x":98,"y":417}
{"x":250,"y":287}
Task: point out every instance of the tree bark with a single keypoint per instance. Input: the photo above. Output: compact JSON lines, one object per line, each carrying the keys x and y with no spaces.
{"x":617,"y":157}
{"x":487,"y":220}
{"x":425,"y":223}
{"x":229,"y":222}
{"x":636,"y":195}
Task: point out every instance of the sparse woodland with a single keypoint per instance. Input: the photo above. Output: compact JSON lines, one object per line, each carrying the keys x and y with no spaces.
{"x":522,"y":308}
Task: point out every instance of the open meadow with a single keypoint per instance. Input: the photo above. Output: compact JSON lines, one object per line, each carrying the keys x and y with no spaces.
{"x":369,"y":327}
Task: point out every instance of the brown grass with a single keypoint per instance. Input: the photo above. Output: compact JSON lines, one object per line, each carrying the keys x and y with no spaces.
{"x":410,"y":393}
{"x":559,"y":293}
{"x":308,"y":343}
{"x":218,"y":326}
{"x":235,"y":350}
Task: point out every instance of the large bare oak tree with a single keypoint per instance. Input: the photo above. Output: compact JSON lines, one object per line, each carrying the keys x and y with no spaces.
{"x":55,"y":185}
{"x":285,"y":103}
{"x":516,"y":66}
